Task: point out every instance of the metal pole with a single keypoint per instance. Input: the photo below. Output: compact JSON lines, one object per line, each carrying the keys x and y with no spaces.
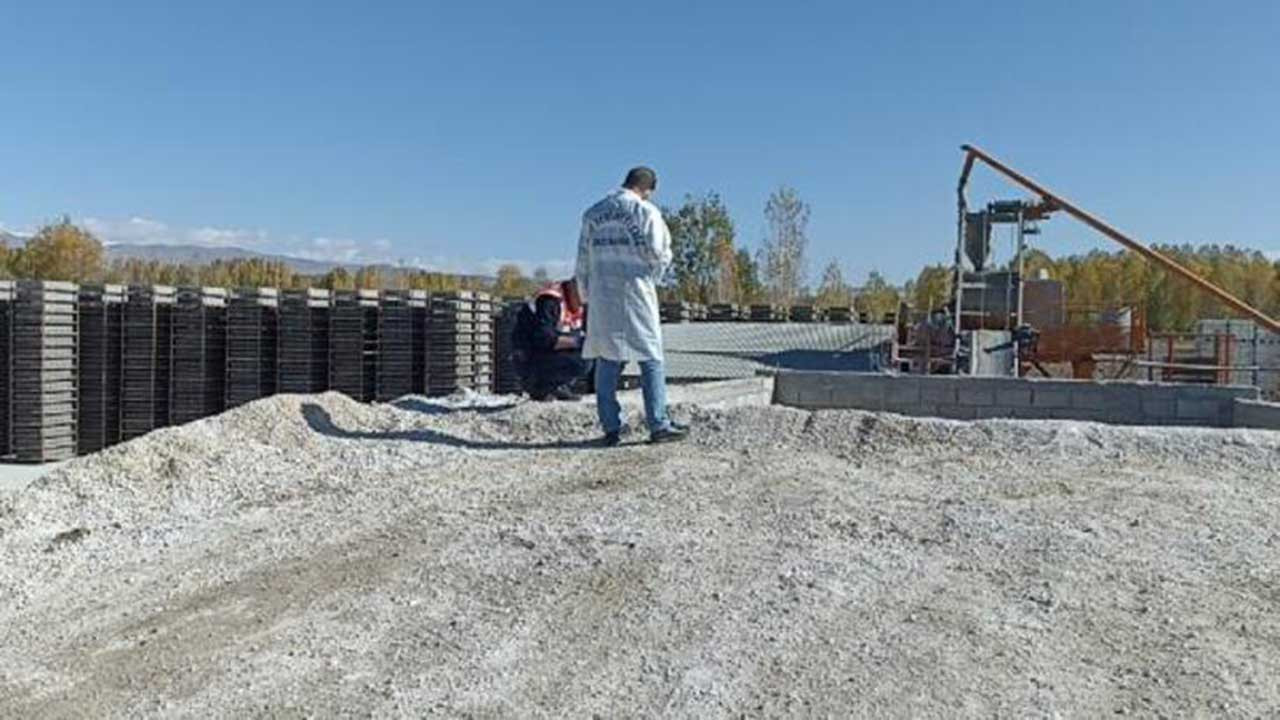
{"x":1058,"y":201}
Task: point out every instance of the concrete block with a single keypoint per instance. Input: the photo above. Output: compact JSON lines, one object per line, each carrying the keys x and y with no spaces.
{"x":938,"y":390}
{"x":957,"y":412}
{"x":1200,"y":410}
{"x":860,"y":392}
{"x":995,"y":412}
{"x":975,"y":392}
{"x":1016,"y":394}
{"x":903,"y":390}
{"x":1158,"y":410}
{"x":815,"y":395}
{"x":1255,"y":414}
{"x":1050,"y":395}
{"x":1076,"y":413}
{"x":916,"y":410}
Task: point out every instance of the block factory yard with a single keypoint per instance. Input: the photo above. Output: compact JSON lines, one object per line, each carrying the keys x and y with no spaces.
{"x":308,"y":555}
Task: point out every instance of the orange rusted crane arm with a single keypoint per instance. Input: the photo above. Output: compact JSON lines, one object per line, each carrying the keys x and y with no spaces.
{"x":1057,"y":201}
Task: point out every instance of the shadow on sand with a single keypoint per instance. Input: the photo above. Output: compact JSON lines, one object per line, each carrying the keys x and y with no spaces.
{"x":318,"y":419}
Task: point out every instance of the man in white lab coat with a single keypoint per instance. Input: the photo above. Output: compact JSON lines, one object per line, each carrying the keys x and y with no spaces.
{"x":624,"y":250}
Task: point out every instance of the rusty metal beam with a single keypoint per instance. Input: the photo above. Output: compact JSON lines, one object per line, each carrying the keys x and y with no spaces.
{"x":1054,"y":199}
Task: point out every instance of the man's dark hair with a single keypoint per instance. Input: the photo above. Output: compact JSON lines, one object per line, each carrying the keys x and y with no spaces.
{"x":641,"y":178}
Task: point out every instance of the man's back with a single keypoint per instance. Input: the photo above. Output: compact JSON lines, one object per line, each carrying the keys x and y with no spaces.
{"x":623,"y":251}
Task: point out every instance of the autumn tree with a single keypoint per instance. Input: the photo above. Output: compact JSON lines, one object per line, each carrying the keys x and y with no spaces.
{"x":511,"y":282}
{"x":877,"y":298}
{"x":833,"y":291}
{"x":931,"y":289}
{"x":784,"y":247}
{"x":60,"y":251}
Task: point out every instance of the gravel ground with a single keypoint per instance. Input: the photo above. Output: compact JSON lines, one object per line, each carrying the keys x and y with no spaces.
{"x":310,"y":556}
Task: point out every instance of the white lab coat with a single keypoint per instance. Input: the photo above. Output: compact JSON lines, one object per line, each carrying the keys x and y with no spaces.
{"x":623,"y":252}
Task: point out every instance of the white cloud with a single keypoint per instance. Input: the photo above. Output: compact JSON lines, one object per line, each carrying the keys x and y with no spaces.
{"x":146,"y":231}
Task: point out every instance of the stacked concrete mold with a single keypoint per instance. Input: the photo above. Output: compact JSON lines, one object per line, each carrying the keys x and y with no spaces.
{"x":768,"y":313}
{"x":842,"y":315}
{"x":677,"y":312}
{"x":6,"y":316}
{"x":484,"y":342}
{"x":144,"y":389}
{"x":349,"y":344}
{"x":100,"y":366}
{"x":253,"y":329}
{"x":417,"y":300}
{"x":395,"y":346}
{"x":198,"y":359}
{"x":806,"y":314}
{"x":724,"y":312}
{"x":42,"y":361}
{"x":303,"y":342}
{"x":505,"y":379}
{"x":459,"y":342}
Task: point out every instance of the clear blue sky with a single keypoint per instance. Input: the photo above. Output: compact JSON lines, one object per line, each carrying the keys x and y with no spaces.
{"x":464,"y":133}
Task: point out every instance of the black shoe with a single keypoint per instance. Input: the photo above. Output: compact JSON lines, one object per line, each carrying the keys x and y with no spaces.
{"x":564,"y":393}
{"x":612,"y":439}
{"x":673,"y":433}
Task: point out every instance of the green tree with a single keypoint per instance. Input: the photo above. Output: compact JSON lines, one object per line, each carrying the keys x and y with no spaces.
{"x":702,"y":236}
{"x":747,"y":276}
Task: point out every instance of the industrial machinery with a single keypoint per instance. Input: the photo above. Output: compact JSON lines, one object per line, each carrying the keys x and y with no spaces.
{"x":1000,"y":322}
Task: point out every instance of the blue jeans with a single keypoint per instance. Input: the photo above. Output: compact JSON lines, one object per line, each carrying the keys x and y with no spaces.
{"x":653,"y":383}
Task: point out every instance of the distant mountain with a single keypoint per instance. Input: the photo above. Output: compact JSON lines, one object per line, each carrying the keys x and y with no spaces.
{"x":12,"y":240}
{"x":202,"y":255}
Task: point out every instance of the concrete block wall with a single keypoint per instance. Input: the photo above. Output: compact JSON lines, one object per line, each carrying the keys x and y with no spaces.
{"x":1257,"y":414}
{"x":976,"y":398}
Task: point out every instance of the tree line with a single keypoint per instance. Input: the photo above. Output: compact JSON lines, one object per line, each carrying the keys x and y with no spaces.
{"x":711,"y":266}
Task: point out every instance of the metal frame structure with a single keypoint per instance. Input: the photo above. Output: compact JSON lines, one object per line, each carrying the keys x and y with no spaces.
{"x":1051,"y":201}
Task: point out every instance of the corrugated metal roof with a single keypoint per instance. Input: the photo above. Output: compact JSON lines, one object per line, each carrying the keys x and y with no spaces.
{"x":738,"y":349}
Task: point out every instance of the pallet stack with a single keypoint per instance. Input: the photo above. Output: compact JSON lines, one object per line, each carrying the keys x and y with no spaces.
{"x":302,"y":363}
{"x":418,"y":300}
{"x":505,"y":379}
{"x":459,"y":342}
{"x":842,"y":314}
{"x":199,"y":354}
{"x":806,"y":314}
{"x":353,"y":344}
{"x":144,"y":388}
{"x":677,"y":312}
{"x":768,"y":313}
{"x":100,"y":366}
{"x":724,"y":312}
{"x":42,"y":364}
{"x":395,"y":346}
{"x":6,"y":316}
{"x":483,"y":342}
{"x":253,"y":323}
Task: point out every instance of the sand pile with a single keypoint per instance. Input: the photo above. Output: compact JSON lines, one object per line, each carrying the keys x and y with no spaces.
{"x":310,"y":555}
